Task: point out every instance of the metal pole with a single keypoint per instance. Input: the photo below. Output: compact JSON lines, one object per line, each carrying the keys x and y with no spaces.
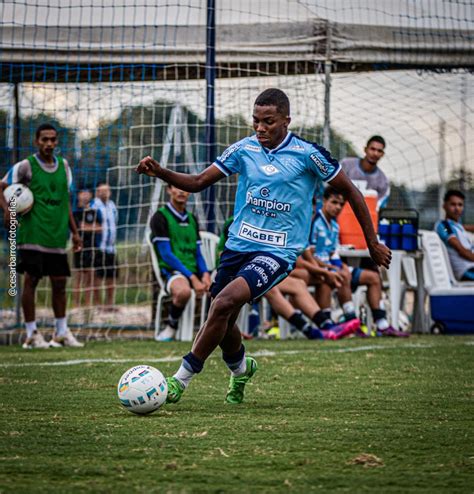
{"x":463,"y":154}
{"x":327,"y":90}
{"x":211,"y":148}
{"x":442,"y":166}
{"x":16,"y":159}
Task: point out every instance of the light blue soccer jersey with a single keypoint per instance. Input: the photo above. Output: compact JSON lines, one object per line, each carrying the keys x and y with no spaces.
{"x":324,"y":237}
{"x":273,"y":204}
{"x":447,"y":229}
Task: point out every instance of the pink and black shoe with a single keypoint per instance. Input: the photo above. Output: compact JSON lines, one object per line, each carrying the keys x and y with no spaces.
{"x":342,"y":330}
{"x":391,"y":331}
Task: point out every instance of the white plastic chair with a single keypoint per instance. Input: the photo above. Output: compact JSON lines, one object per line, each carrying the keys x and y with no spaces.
{"x":209,"y":245}
{"x":186,"y":323}
{"x":437,"y":266}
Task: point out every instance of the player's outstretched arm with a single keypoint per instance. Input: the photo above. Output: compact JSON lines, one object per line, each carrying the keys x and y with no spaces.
{"x":189,"y":183}
{"x":379,"y":252}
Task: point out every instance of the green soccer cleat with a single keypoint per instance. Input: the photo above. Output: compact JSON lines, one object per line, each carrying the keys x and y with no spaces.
{"x":175,"y":390}
{"x":235,"y":395}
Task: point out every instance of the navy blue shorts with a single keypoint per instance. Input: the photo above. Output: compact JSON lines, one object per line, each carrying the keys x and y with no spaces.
{"x":261,"y":271}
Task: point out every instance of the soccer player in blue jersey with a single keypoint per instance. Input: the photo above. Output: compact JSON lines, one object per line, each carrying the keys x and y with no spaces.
{"x":454,"y":235}
{"x":278,"y":173}
{"x":325,"y":239}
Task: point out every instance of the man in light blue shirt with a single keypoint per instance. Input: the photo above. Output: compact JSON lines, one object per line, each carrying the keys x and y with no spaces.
{"x":278,"y":173}
{"x":107,"y":263}
{"x":455,"y":237}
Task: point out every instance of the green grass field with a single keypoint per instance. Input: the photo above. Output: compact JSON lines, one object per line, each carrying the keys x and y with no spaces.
{"x":375,"y":415}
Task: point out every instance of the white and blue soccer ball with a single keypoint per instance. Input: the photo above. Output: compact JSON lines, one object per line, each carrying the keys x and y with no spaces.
{"x":142,"y":389}
{"x":19,"y":197}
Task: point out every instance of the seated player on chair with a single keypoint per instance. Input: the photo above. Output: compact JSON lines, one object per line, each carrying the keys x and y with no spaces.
{"x":325,"y":240}
{"x":454,"y":235}
{"x":175,"y":234}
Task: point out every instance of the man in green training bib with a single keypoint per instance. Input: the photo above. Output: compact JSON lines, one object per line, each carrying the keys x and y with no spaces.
{"x":43,"y":233}
{"x":175,"y":235}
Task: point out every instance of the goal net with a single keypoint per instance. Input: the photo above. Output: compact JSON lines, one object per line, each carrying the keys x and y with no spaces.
{"x":124,"y":80}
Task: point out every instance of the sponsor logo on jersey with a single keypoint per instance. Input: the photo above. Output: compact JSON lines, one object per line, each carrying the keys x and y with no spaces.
{"x":261,"y":236}
{"x":251,"y":147}
{"x":317,"y":161}
{"x":52,"y":202}
{"x":269,"y":170}
{"x":297,"y":147}
{"x":228,"y":152}
{"x":267,"y":204}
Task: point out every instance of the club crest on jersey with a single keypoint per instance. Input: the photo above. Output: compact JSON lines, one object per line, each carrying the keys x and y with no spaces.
{"x":316,"y":160}
{"x":269,"y":169}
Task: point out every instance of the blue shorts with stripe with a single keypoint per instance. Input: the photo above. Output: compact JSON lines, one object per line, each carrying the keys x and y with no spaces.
{"x":261,"y":270}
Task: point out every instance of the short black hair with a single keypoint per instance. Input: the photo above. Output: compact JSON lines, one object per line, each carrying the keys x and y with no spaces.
{"x":274,"y":97}
{"x":332,"y":191}
{"x":45,"y":126}
{"x":378,"y":139}
{"x":453,"y":193}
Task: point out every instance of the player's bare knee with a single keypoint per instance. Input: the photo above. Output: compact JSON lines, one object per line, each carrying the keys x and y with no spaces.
{"x":181,"y":297}
{"x":31,"y":282}
{"x":58,"y":285}
{"x":223,"y":307}
{"x":373,"y":278}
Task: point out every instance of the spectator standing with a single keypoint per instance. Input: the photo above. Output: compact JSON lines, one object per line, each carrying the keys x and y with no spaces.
{"x":43,"y":234}
{"x":85,"y":261}
{"x":107,"y":261}
{"x":367,"y":169}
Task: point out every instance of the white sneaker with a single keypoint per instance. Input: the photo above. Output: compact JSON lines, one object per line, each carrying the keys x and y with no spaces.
{"x":67,"y":339}
{"x":35,"y":341}
{"x":54,"y":344}
{"x":168,"y":334}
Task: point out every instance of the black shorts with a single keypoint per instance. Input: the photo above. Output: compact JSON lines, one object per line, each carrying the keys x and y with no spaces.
{"x":87,"y":258}
{"x":261,"y":270}
{"x":106,"y":265}
{"x":39,"y":264}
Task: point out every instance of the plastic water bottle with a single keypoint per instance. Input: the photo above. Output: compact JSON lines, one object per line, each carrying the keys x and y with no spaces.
{"x":408,"y":237}
{"x":384,"y":232}
{"x":395,"y":236}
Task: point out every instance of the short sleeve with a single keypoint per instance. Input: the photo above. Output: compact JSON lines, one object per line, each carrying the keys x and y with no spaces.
{"x":322,"y":163}
{"x":69,"y":176}
{"x":159,"y":227}
{"x":229,"y":161}
{"x":19,"y":173}
{"x":444,"y":230}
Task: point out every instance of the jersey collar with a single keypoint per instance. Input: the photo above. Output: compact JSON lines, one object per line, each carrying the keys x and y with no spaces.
{"x":181,"y":216}
{"x":280,"y":146}
{"x":326,"y":221}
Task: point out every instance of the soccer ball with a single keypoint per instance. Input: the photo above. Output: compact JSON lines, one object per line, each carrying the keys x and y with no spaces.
{"x":19,"y":197}
{"x":142,"y":389}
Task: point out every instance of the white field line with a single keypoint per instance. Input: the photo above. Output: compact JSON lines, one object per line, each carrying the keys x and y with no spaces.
{"x":260,"y":353}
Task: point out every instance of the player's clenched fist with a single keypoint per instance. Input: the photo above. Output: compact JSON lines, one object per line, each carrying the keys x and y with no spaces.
{"x":148,"y":166}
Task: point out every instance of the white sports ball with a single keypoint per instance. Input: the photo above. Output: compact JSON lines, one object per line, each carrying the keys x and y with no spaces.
{"x":19,"y":197}
{"x":142,"y":389}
